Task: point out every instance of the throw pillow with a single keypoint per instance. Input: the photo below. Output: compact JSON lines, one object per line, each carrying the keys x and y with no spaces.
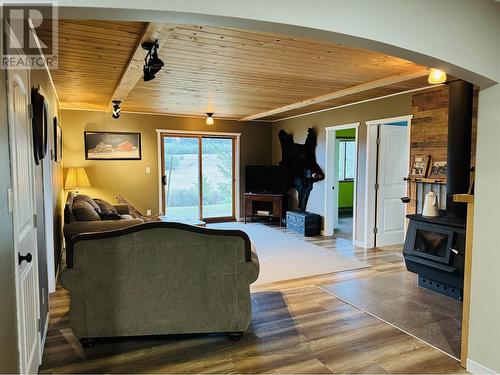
{"x":89,"y":200}
{"x":107,"y":211}
{"x":84,"y":211}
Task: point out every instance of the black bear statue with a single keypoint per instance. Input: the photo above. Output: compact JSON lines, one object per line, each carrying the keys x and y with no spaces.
{"x":299,"y":161}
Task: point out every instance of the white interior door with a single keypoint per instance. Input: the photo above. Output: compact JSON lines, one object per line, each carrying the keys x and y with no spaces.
{"x":23,"y":199}
{"x":392,"y":162}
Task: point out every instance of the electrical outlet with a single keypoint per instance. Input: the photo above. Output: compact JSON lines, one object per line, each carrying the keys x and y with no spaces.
{"x":148,"y":170}
{"x":148,"y":212}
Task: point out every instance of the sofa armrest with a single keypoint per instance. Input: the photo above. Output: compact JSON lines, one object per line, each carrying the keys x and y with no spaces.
{"x":122,"y":208}
{"x":70,"y":278}
{"x":249,"y":271}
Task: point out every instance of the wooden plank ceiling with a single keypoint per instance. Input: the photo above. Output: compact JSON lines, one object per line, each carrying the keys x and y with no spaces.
{"x":233,"y":73}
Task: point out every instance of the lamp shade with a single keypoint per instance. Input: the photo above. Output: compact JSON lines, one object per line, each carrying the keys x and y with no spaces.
{"x":76,"y":178}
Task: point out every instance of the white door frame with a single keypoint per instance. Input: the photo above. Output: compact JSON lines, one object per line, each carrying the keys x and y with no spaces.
{"x":46,"y":165}
{"x":331,"y":195}
{"x":371,"y":172}
{"x":15,"y":209}
{"x":237,"y":136}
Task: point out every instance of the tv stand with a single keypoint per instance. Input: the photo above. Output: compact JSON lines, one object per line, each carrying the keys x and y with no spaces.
{"x":273,"y":204}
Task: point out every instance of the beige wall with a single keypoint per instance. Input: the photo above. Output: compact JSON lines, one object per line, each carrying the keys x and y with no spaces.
{"x":484,"y":344}
{"x":383,"y":108}
{"x":128,"y":178}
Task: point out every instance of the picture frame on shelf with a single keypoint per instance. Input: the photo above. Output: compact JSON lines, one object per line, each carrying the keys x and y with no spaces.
{"x":112,"y":145}
{"x":419,"y":166}
{"x":438,"y":169}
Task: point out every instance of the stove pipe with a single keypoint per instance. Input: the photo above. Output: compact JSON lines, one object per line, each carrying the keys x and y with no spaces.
{"x":459,"y":145}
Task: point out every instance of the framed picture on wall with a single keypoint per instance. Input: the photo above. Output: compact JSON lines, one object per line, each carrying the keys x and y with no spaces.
{"x":419,"y":166}
{"x":112,"y":146}
{"x":438,"y":169}
{"x":58,"y":146}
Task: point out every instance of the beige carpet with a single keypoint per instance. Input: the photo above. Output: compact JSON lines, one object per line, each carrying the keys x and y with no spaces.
{"x":283,"y":256}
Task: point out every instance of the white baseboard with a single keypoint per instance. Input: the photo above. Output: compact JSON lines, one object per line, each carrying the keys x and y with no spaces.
{"x":476,"y":368}
{"x":359,"y":243}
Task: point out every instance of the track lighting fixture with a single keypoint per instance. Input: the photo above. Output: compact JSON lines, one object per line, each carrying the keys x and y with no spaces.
{"x":117,"y":108}
{"x":152,"y":63}
{"x":209,"y":120}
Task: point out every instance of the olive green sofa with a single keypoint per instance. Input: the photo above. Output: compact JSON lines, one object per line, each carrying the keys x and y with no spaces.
{"x":159,"y":278}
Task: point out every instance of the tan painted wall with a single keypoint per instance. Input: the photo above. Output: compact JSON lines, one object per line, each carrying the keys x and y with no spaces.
{"x":484,"y":347}
{"x":382,"y":108}
{"x":128,"y":178}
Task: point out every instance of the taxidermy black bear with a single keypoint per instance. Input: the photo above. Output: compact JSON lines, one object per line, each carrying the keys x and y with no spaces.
{"x":299,"y":161}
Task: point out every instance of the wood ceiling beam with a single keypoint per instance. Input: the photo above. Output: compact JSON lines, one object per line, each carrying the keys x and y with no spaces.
{"x":134,"y":69}
{"x":340,"y":93}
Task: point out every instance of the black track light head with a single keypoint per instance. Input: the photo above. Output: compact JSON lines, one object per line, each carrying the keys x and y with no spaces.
{"x":152,"y":63}
{"x":117,"y":108}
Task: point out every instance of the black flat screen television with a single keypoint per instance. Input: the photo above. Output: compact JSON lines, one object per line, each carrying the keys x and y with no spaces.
{"x":262,"y":179}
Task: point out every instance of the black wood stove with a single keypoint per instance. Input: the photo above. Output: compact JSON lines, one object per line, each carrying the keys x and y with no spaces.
{"x":435,"y":247}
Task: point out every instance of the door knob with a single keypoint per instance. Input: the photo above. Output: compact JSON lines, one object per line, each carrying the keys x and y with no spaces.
{"x":28,"y":258}
{"x":333,"y":187}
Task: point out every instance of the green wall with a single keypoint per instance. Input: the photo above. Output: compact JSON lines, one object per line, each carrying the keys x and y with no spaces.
{"x":346,"y":188}
{"x":346,"y":133}
{"x":346,"y":194}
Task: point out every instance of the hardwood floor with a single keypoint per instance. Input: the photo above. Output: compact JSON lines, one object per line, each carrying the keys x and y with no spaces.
{"x":297,"y":327}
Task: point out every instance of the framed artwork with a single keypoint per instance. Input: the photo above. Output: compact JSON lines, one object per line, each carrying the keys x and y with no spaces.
{"x":58,"y":145}
{"x":438,"y":169}
{"x":419,"y":166}
{"x":112,"y":146}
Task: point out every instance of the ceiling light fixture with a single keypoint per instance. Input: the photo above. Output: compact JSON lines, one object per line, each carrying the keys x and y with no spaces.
{"x":152,"y":63}
{"x":209,"y":120}
{"x":117,"y":108}
{"x":436,"y":76}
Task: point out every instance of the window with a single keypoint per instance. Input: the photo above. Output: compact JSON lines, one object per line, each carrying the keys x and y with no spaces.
{"x":347,"y":159}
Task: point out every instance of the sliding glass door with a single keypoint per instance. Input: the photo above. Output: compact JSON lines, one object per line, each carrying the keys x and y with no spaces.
{"x":198,"y":176}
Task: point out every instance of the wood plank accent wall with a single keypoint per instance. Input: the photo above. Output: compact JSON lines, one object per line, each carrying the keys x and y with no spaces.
{"x":429,"y":126}
{"x":429,"y":134}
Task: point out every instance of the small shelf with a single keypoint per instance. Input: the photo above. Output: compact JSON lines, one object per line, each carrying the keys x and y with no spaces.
{"x":463,"y":198}
{"x":426,"y":180}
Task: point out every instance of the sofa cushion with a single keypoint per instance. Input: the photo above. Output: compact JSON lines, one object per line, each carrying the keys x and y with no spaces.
{"x":105,"y":207}
{"x":89,"y":200}
{"x":84,"y":211}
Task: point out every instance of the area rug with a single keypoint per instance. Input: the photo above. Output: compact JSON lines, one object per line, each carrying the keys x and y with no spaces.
{"x":283,"y":256}
{"x":399,"y":301}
